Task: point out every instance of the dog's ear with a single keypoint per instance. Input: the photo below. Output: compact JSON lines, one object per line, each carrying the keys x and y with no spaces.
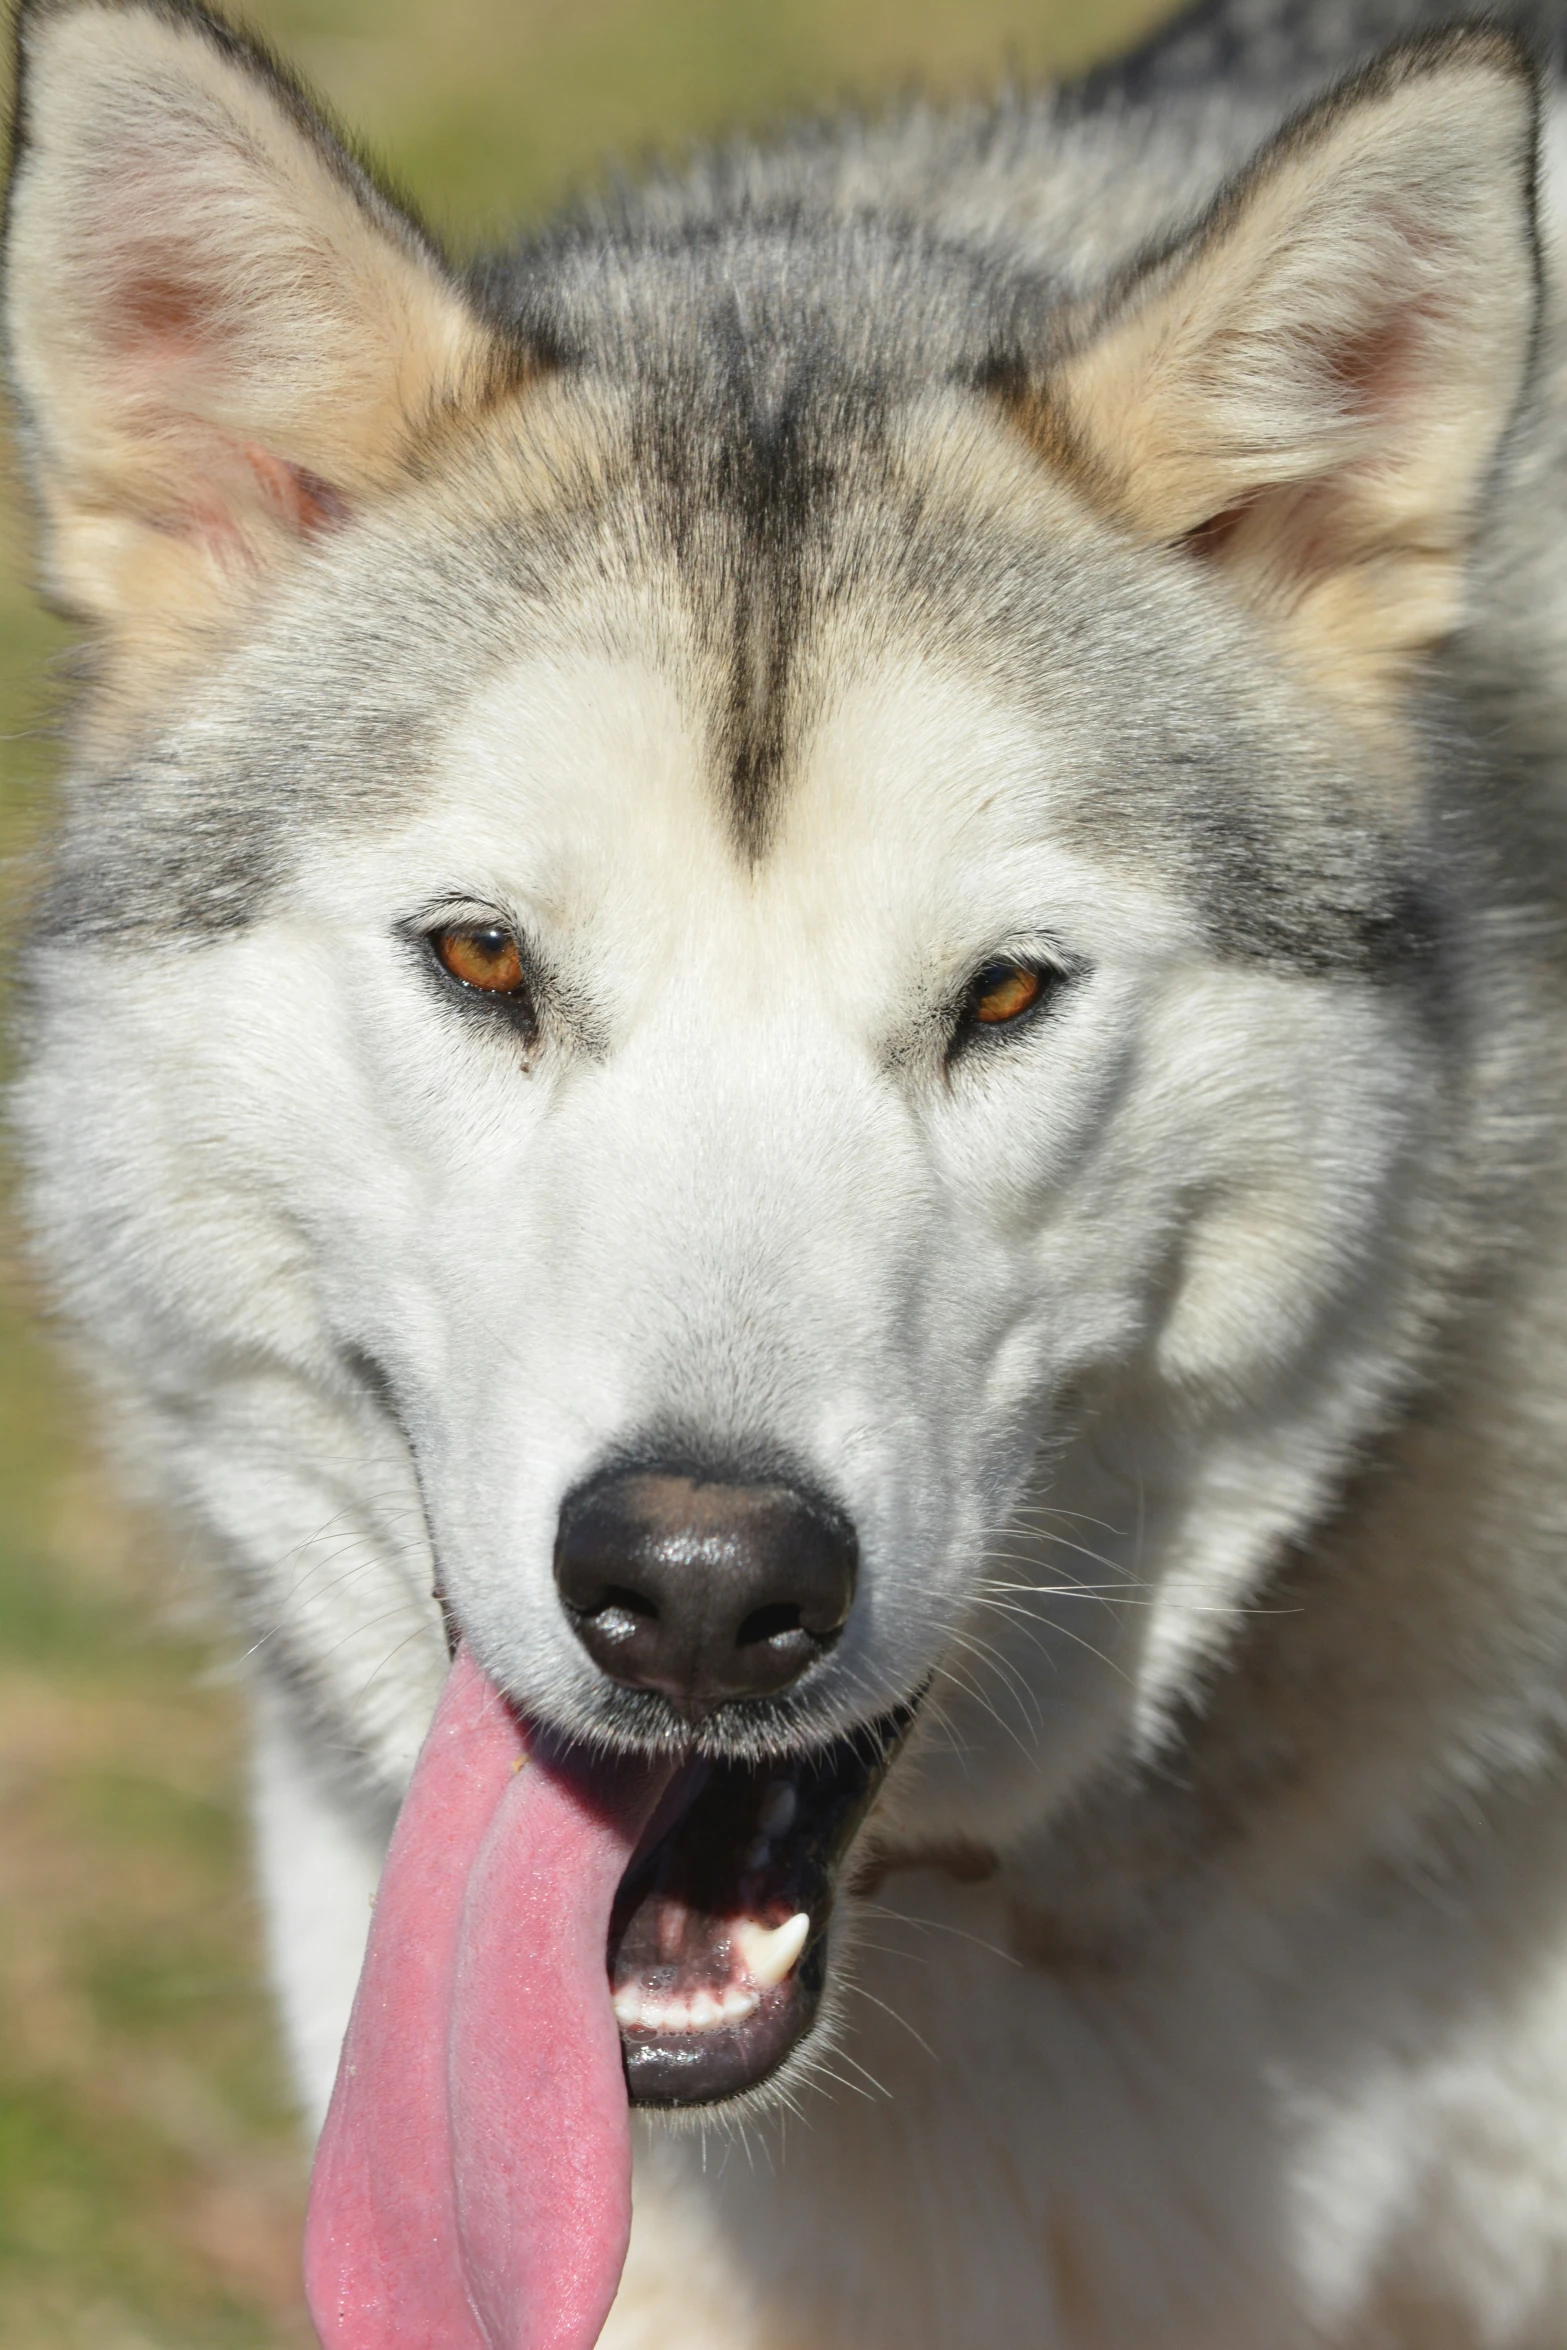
{"x":223,"y":335}
{"x":1309,"y":393}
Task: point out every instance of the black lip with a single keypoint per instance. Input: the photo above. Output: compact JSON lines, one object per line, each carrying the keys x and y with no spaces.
{"x":691,"y":1882}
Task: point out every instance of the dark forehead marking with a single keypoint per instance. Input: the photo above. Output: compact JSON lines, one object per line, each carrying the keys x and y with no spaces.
{"x":763,"y":358}
{"x":773,"y":508}
{"x":763,"y":470}
{"x":752,"y":466}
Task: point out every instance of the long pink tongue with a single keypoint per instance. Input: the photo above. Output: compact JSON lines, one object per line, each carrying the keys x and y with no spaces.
{"x":472,"y":2188}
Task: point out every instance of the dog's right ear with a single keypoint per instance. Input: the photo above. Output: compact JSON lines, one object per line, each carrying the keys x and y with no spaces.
{"x":223,"y":335}
{"x":1308,"y":395}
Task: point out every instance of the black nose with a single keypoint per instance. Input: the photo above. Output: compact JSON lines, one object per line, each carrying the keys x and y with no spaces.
{"x":703,"y":1591}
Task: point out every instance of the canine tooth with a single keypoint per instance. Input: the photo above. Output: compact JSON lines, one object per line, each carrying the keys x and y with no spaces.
{"x":779,"y":1806}
{"x":770,"y":1953}
{"x":738,"y":2004}
{"x":628,"y":2006}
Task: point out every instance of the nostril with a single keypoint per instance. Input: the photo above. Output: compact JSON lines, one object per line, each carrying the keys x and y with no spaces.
{"x":615,"y":1622}
{"x":618,"y":1601}
{"x":618,"y":1618}
{"x":767,"y":1623}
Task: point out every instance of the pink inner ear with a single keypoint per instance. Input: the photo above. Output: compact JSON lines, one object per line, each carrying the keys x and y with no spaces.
{"x":174,"y":327}
{"x":1379,"y":362}
{"x":163,"y":260}
{"x":1376,"y":367}
{"x":222,"y":481}
{"x":166,"y":337}
{"x":300,"y":498}
{"x":1213,"y":538}
{"x":156,"y":312}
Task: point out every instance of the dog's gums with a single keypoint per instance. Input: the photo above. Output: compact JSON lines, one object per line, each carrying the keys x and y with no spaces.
{"x":718,"y":1939}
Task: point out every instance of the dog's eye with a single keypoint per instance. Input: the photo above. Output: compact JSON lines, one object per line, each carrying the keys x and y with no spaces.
{"x":1004,"y":991}
{"x":487,"y":958}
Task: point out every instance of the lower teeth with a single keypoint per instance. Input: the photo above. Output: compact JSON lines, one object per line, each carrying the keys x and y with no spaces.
{"x":768,"y":1954}
{"x":644,"y":2011}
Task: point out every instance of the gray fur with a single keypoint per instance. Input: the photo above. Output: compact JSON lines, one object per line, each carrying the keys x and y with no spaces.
{"x":767,"y":336}
{"x":1265,"y":1202}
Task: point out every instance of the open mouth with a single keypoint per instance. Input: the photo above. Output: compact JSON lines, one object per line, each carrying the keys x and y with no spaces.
{"x":718,"y":1935}
{"x":554,"y":1927}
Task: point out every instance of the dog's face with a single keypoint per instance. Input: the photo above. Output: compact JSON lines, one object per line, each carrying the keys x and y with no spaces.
{"x":800,"y":1006}
{"x":867,"y":1157}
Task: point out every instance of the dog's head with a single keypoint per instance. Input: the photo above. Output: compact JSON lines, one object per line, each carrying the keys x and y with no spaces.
{"x":755,"y":918}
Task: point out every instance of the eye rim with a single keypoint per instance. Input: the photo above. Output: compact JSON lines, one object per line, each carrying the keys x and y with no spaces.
{"x":446,"y":934}
{"x":992,"y":983}
{"x":1049,"y":972}
{"x":518,"y":1006}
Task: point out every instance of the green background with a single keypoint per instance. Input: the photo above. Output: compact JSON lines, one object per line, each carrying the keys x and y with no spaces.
{"x":150,"y":2173}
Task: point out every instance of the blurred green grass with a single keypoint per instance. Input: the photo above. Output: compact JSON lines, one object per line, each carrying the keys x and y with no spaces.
{"x":150,"y":2174}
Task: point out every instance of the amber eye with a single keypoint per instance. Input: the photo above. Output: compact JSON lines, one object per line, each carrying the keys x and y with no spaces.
{"x":1003,"y":992}
{"x":487,"y":958}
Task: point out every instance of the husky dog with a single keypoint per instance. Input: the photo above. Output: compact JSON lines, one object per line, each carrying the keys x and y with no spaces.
{"x":796,"y":1045}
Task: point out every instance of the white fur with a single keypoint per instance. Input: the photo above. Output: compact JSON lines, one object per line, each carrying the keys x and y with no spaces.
{"x":1190,"y":1361}
{"x":540,"y":1259}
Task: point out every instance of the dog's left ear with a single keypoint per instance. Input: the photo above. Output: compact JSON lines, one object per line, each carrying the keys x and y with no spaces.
{"x":1309,"y":394}
{"x":224,"y":336}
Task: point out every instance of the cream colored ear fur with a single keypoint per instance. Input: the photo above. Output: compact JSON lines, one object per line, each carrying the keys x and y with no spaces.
{"x":1311,"y":392}
{"x":222,"y":334}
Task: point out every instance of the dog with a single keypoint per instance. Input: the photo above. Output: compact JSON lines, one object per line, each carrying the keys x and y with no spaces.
{"x":794,"y":1054}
